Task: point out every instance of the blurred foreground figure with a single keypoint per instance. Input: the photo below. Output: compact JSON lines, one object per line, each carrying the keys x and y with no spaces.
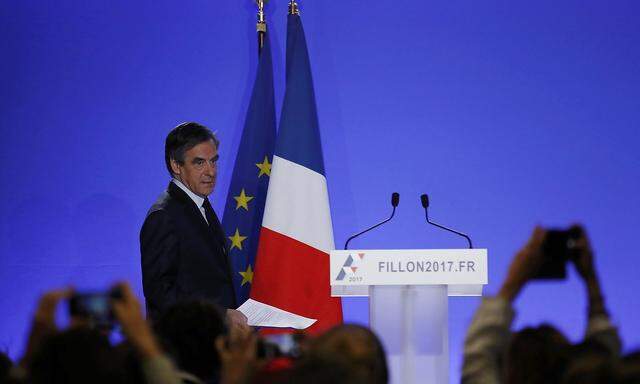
{"x":492,"y":354}
{"x":345,"y":354}
{"x":188,"y":332}
{"x":83,"y":353}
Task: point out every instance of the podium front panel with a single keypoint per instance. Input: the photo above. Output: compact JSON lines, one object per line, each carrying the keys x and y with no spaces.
{"x":411,"y":322}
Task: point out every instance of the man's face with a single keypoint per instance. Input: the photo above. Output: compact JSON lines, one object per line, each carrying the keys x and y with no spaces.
{"x":199,"y":171}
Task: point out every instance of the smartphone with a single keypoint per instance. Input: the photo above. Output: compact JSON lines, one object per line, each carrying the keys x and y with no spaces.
{"x":557,"y":249}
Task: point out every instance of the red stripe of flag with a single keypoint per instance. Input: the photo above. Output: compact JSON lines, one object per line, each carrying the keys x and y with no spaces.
{"x":304,"y":280}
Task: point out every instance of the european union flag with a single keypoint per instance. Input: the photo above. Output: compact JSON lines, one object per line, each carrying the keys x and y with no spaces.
{"x":248,"y":189}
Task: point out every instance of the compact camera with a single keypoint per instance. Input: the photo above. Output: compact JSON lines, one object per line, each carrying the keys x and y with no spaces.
{"x":95,"y":307}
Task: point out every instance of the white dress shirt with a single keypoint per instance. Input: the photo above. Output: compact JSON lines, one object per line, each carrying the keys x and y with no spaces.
{"x":199,"y":201}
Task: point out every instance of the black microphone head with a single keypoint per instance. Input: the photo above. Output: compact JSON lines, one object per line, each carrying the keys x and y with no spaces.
{"x":395,"y":199}
{"x":424,"y":198}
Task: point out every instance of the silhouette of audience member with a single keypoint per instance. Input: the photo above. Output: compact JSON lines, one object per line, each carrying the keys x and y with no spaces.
{"x":188,"y":331}
{"x":550,"y":348}
{"x":345,"y":354}
{"x":493,"y":355}
{"x":5,"y":367}
{"x":77,"y":355}
{"x":590,"y":363}
{"x":324,"y":369}
{"x":82,"y":354}
{"x":629,"y":370}
{"x":351,"y":346}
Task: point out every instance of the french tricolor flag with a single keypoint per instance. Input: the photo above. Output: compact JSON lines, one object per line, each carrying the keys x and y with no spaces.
{"x":292,"y":263}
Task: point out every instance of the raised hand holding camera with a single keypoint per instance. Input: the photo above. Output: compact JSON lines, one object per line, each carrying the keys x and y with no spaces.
{"x":128,"y":312}
{"x":524,"y":266}
{"x":583,"y":260}
{"x":44,"y":321}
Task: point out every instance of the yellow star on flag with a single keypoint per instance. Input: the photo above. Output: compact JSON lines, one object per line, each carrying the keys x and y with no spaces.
{"x":236,"y":240}
{"x":242,"y":200}
{"x":247,"y":276}
{"x":265,"y":167}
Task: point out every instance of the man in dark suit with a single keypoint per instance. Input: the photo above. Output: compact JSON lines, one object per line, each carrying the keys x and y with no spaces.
{"x":183,"y":246}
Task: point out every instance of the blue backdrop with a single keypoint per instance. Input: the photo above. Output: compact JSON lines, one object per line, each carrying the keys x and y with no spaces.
{"x":508,"y":114}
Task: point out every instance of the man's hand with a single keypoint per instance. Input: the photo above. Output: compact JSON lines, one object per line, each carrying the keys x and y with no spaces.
{"x":129,"y":314}
{"x":237,"y":323}
{"x":524,"y":266}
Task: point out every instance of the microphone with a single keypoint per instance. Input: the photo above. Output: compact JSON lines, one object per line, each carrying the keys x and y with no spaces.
{"x":424,"y":199}
{"x":395,"y":200}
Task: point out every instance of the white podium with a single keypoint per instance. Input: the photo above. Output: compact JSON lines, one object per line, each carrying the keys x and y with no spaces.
{"x":408,"y":293}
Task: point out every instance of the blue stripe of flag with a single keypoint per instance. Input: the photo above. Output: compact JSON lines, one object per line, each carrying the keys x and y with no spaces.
{"x":299,"y":135}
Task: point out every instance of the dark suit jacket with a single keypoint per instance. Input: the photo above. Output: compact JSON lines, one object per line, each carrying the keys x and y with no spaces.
{"x":183,"y":257}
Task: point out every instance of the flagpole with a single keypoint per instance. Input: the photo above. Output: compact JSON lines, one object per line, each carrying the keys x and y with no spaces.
{"x":293,"y":8}
{"x":261,"y":26}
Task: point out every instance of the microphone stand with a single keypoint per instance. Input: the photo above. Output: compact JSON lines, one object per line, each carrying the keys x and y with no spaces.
{"x":395,"y":199}
{"x":425,"y":203}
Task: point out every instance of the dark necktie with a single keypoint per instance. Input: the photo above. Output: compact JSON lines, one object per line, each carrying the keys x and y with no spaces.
{"x":208,"y":213}
{"x":214,"y":225}
{"x":216,"y":229}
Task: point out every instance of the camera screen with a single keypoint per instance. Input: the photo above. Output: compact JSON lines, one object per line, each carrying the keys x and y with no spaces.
{"x":94,"y":306}
{"x":97,"y":305}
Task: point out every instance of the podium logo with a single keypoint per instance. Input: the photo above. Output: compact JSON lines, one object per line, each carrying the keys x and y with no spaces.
{"x":350,"y":266}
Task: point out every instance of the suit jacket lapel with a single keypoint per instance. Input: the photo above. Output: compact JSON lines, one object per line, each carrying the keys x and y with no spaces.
{"x":214,"y":238}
